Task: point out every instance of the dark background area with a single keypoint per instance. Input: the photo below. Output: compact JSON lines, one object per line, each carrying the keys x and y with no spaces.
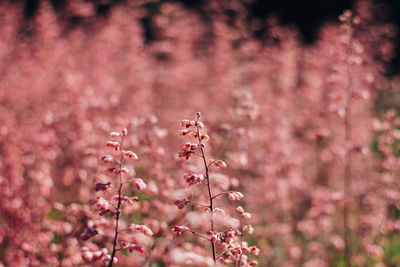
{"x":306,"y":15}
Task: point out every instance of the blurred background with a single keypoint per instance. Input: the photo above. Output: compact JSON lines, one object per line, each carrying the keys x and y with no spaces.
{"x":300,"y":98}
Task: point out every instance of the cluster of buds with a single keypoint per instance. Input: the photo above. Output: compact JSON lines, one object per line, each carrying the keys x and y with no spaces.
{"x":190,"y":123}
{"x":181,"y":203}
{"x":244,"y":246}
{"x":95,"y":255}
{"x":242,"y":213}
{"x":179,"y":230}
{"x":347,"y":16}
{"x":253,"y":249}
{"x":223,"y":239}
{"x":233,"y":251}
{"x":234,"y":195}
{"x":192,"y":134}
{"x":187,"y":150}
{"x":141,"y":228}
{"x":132,"y":247}
{"x":192,"y":178}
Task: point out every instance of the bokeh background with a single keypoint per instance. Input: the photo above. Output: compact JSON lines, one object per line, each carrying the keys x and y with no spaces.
{"x":301,"y":104}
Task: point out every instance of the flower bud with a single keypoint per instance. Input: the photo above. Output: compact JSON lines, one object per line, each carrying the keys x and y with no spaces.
{"x":115,"y":134}
{"x":139,"y":183}
{"x":205,"y":138}
{"x":253,"y":263}
{"x":87,"y":256}
{"x":107,"y":159}
{"x":255,"y":250}
{"x":246,"y":215}
{"x":115,"y":145}
{"x":235,"y":195}
{"x":181,"y":203}
{"x":131,"y":154}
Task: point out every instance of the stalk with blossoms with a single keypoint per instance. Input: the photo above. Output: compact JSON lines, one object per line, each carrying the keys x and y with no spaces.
{"x":229,"y":242}
{"x":113,"y":207}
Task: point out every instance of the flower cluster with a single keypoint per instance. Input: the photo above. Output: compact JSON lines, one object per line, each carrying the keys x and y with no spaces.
{"x":112,"y":206}
{"x":229,"y":242}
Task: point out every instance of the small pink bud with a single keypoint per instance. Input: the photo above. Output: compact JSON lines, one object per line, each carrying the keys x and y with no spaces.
{"x":102,"y":204}
{"x":115,"y":134}
{"x":193,"y":147}
{"x":87,"y":256}
{"x":230,"y":234}
{"x":205,"y":137}
{"x":141,"y":250}
{"x":240,"y":209}
{"x":248,"y":228}
{"x":97,"y":255}
{"x":246,"y":215}
{"x":184,"y":122}
{"x":181,"y":203}
{"x":255,"y":250}
{"x":220,"y":164}
{"x":107,"y":159}
{"x":131,"y":154}
{"x":115,"y":145}
{"x":253,"y":263}
{"x":246,"y":250}
{"x":124,"y":131}
{"x":192,"y":134}
{"x":125,"y":170}
{"x":111,"y":170}
{"x":183,"y":132}
{"x":139,"y":183}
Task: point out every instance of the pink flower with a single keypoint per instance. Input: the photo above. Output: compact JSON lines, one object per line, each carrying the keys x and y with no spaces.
{"x":139,"y":183}
{"x":130,"y":154}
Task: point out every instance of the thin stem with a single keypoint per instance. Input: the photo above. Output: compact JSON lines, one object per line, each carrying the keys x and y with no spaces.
{"x":222,"y":193}
{"x":200,"y":235}
{"x":198,"y":204}
{"x":347,"y":156}
{"x":118,"y":207}
{"x":208,"y":185}
{"x":241,"y":239}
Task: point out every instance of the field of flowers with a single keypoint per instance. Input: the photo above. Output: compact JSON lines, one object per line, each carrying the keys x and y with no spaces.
{"x":162,"y":136}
